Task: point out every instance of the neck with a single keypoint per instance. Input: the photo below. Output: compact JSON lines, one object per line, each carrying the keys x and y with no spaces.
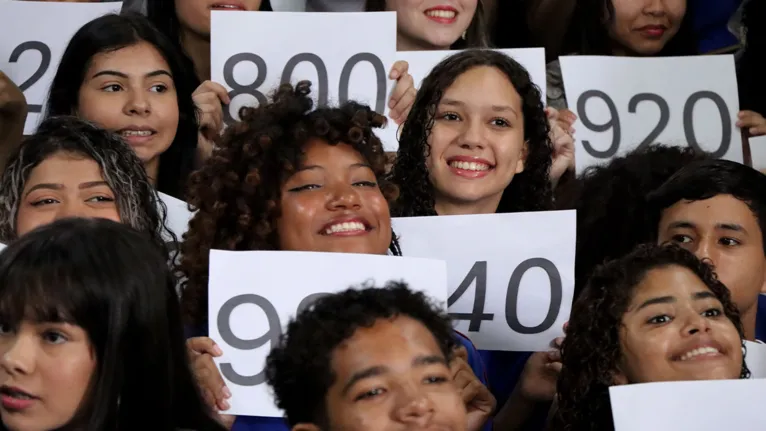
{"x":197,"y":47}
{"x":748,"y":323}
{"x":152,"y":168}
{"x":404,"y":43}
{"x":446,"y":206}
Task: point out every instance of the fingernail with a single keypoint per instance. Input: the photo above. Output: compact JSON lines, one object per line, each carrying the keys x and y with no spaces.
{"x":394,"y":74}
{"x":226,"y":392}
{"x":226,"y":405}
{"x":217,"y":350}
{"x":559,"y":341}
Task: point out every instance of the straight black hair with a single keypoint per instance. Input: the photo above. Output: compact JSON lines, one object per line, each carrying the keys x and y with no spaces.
{"x":113,"y":32}
{"x":113,"y":283}
{"x":710,"y":178}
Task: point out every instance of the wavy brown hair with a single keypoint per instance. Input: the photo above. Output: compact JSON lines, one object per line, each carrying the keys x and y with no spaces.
{"x":529,"y":191}
{"x":591,"y":350}
{"x":237,"y":192}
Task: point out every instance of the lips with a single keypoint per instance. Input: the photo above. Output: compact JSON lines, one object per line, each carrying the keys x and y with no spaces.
{"x":227,"y":6}
{"x":136,"y":135}
{"x":346,"y":226}
{"x":15,"y":399}
{"x":653,"y":31}
{"x":469,"y":167}
{"x":442,"y":14}
{"x":700,"y":350}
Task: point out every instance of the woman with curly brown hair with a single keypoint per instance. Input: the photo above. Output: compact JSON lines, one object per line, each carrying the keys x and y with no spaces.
{"x":291,"y":178}
{"x":658,"y":314}
{"x":477,"y":142}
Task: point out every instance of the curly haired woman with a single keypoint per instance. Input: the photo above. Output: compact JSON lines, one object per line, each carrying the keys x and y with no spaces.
{"x":291,"y":178}
{"x":477,"y":141}
{"x":643,"y":318}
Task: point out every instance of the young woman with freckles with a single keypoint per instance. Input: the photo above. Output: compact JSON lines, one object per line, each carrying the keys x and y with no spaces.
{"x":293,"y":178}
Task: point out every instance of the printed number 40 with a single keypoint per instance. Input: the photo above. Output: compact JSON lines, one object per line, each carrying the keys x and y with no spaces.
{"x":479,"y":273}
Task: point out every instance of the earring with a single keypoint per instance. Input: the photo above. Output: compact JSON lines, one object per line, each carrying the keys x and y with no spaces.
{"x":464,"y":34}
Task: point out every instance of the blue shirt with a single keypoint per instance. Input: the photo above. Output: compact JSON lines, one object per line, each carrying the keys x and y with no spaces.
{"x":256,"y":423}
{"x":760,"y":319}
{"x":711,"y":24}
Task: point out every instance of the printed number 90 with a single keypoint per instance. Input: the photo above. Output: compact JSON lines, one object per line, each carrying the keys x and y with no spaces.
{"x":662,"y":104}
{"x":271,"y":336}
{"x":322,"y":77}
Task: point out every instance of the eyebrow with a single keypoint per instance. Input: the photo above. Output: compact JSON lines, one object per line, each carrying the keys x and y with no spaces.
{"x":705,"y":294}
{"x":317,"y":167}
{"x":53,"y":186}
{"x":419,"y":361}
{"x":124,"y":75}
{"x":495,"y":108}
{"x":685,"y":224}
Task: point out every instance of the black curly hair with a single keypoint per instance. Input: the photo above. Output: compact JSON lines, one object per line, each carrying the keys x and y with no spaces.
{"x":529,"y":190}
{"x":612,"y":212}
{"x":236,"y":193}
{"x":299,"y":369}
{"x":591,"y":349}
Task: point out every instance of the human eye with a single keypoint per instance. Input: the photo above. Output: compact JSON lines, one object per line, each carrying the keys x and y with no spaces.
{"x":44,"y":201}
{"x":659,"y":319}
{"x":370,"y":394}
{"x":54,"y":337}
{"x":111,"y":88}
{"x":305,"y":187}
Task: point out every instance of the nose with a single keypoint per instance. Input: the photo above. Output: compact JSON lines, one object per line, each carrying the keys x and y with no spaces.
{"x":344,"y":196}
{"x":706,"y":251}
{"x":18,"y":359}
{"x":696,"y":323}
{"x":137,"y":104}
{"x":416,"y":409}
{"x":71,"y":209}
{"x":472,"y":136}
{"x":654,"y":7}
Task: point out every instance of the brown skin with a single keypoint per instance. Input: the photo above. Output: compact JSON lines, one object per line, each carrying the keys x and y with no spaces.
{"x":13,"y":115}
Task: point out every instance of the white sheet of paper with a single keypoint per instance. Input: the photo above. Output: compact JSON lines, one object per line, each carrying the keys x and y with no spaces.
{"x":178,"y":215}
{"x":422,"y":62}
{"x":353,"y":51}
{"x":281,"y":281}
{"x":623,"y":102}
{"x":713,"y":405}
{"x":33,"y":37}
{"x":515,"y":271}
{"x":756,"y":359}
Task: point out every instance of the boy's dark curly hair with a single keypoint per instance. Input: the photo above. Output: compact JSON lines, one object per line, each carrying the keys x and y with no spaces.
{"x":237,"y":192}
{"x":610,"y":199}
{"x":299,"y":368}
{"x":591,"y":350}
{"x":529,"y":190}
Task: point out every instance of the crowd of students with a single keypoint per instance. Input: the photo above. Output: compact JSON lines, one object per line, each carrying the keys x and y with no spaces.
{"x":98,"y":295}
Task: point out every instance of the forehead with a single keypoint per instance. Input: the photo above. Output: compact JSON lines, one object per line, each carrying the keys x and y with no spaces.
{"x":319,"y":152}
{"x":706,"y":214}
{"x":483,"y":86}
{"x":65,"y":166}
{"x":670,"y":280}
{"x":140,"y":58}
{"x":386,"y":341}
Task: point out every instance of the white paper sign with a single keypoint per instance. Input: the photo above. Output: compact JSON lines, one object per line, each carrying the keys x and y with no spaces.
{"x":422,"y":62}
{"x":178,"y":215}
{"x":713,"y":405}
{"x":254,"y":293}
{"x":623,"y":103}
{"x":33,"y":37}
{"x":345,"y":56}
{"x":756,"y":359}
{"x":511,"y":276}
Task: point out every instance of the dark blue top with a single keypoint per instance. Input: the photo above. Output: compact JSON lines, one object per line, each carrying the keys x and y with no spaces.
{"x":711,"y":24}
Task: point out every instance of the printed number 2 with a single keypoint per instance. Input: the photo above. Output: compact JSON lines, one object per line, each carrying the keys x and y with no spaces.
{"x":271,"y":336}
{"x":479,"y":273}
{"x":45,"y":62}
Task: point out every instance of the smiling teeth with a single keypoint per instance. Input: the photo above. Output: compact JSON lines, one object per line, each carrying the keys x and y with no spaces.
{"x":447,"y":14}
{"x":136,"y":133}
{"x":470,"y":166}
{"x":697,"y":352}
{"x":224,"y":6}
{"x":345,"y":227}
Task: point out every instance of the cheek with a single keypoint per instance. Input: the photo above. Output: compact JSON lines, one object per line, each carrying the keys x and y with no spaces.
{"x":104,"y":111}
{"x":27,"y":219}
{"x":69,"y":374}
{"x":166,"y":110}
{"x":295,"y":222}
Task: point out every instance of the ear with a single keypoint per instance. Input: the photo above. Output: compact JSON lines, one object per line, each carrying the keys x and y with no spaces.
{"x":522,"y":157}
{"x":305,"y":427}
